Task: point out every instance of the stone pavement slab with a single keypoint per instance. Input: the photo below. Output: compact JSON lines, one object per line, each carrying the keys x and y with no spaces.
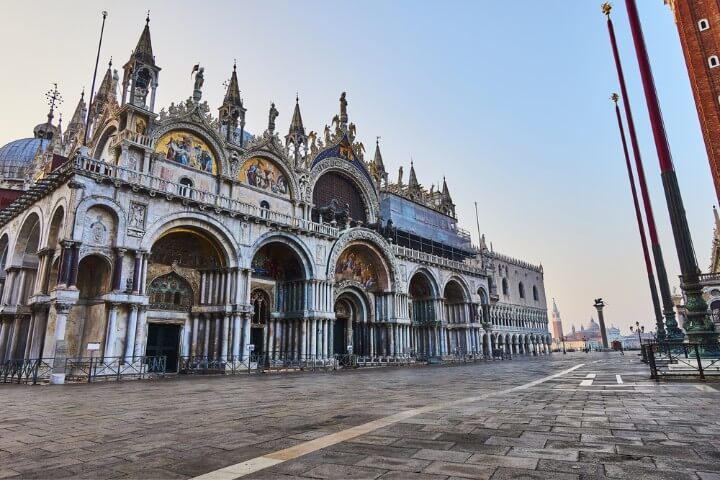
{"x":190,"y":426}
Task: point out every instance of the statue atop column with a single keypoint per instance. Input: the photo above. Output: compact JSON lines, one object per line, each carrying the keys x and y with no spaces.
{"x":343,"y":109}
{"x":272,"y":115}
{"x":199,"y":80}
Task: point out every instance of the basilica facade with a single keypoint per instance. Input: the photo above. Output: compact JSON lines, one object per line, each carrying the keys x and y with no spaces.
{"x":140,"y":231}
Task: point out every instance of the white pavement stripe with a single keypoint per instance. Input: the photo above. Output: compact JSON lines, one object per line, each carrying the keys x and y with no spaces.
{"x":586,"y":383}
{"x":260,"y":463}
{"x":619,"y":379}
{"x":705,"y":388}
{"x":590,"y":375}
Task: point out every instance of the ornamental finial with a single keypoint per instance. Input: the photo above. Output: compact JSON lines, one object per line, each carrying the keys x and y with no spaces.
{"x":615,"y":97}
{"x":606,"y":7}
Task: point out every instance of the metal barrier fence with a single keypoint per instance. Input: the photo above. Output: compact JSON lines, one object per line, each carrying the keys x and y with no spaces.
{"x":27,"y":371}
{"x":94,"y":368}
{"x":681,"y":359}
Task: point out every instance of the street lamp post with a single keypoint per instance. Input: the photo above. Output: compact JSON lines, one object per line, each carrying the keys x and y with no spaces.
{"x":585,"y":344}
{"x":640,"y":330}
{"x":563,"y":342}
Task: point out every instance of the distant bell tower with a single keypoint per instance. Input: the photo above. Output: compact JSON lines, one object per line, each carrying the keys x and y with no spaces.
{"x":556,"y":322}
{"x":698,"y":24}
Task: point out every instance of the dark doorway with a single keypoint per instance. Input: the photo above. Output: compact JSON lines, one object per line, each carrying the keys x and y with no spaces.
{"x":339,"y":335}
{"x":257,"y":338}
{"x":164,"y":340}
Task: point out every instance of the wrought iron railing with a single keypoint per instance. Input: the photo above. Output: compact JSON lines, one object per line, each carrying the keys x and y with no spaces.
{"x":94,"y":368}
{"x":681,"y":359}
{"x":27,"y":371}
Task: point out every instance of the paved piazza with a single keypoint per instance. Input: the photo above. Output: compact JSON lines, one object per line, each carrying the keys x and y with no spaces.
{"x":525,"y":418}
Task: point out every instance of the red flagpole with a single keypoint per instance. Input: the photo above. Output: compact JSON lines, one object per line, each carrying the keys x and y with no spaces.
{"x":641,"y":227}
{"x":698,"y":326}
{"x":671,"y":328}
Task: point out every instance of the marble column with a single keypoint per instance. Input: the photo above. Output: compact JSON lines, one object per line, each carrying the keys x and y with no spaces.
{"x":225,"y":336}
{"x":130,"y":337}
{"x":186,"y":337}
{"x":246,"y":321}
{"x":111,"y":334}
{"x":313,"y":337}
{"x":61,"y":313}
{"x":117,"y":273}
{"x":195,"y":339}
{"x":141,"y":332}
{"x":236,"y":336}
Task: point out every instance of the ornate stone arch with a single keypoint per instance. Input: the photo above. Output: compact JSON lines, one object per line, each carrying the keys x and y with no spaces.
{"x":201,"y":130}
{"x":344,"y":167}
{"x":300,"y":249}
{"x":278,"y":161}
{"x":60,"y":203}
{"x":434,"y":281}
{"x":463,"y":285}
{"x":19,"y":241}
{"x":99,"y":201}
{"x":216,"y":230}
{"x":362,"y":297}
{"x":359,"y":235}
{"x":101,"y":135}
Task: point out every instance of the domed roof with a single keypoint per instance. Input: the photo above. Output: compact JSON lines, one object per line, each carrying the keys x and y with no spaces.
{"x":20,"y":153}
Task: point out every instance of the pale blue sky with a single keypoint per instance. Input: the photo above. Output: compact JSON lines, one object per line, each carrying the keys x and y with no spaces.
{"x":510,"y":103}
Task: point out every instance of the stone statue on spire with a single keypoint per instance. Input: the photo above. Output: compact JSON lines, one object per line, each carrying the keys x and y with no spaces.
{"x":272,"y":115}
{"x":199,"y":81}
{"x":343,"y":111}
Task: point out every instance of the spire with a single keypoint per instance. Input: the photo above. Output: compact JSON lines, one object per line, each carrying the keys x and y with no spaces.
{"x":296,"y":125}
{"x":106,"y":86}
{"x":232,"y":96}
{"x":78,"y":119}
{"x":412,"y":181}
{"x":232,"y":112}
{"x":378,"y":161}
{"x":445,"y":192}
{"x":143,"y":50}
{"x":556,"y":312}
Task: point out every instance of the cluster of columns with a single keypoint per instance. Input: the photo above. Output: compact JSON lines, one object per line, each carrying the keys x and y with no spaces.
{"x":379,"y":339}
{"x":299,"y":338}
{"x":217,"y":335}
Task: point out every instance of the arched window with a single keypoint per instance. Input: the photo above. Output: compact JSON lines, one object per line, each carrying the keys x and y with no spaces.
{"x":504,"y":286}
{"x":535,"y":293}
{"x":264,"y":208}
{"x":185,"y":188}
{"x":713,"y":61}
{"x":521,"y":289}
{"x":715,"y":310}
{"x":703,"y":24}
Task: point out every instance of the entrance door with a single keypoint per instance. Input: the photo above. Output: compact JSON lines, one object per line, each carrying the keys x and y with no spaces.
{"x":257,"y":338}
{"x":164,"y":340}
{"x":339,"y":334}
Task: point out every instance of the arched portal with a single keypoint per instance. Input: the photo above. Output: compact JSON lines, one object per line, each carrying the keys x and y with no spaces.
{"x":353,"y":331}
{"x":188,"y":286}
{"x":281,"y":271}
{"x":457,"y":317}
{"x":423,"y":305}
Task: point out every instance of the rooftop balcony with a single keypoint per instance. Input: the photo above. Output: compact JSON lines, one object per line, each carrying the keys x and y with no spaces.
{"x":423,"y":257}
{"x":175,"y":191}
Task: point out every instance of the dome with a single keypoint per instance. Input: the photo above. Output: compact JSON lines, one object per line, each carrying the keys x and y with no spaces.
{"x":17,"y":156}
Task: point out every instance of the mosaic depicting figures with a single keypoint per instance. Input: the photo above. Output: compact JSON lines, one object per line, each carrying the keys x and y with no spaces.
{"x":187,"y":149}
{"x":354,"y":264}
{"x":275,"y":263}
{"x":263,"y":174}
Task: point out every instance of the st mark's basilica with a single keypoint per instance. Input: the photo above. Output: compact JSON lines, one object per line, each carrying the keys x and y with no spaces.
{"x":174,"y":232}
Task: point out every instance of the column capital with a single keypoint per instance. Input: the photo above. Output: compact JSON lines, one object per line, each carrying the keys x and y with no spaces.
{"x":134,"y":307}
{"x":63,"y":308}
{"x":121,"y":251}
